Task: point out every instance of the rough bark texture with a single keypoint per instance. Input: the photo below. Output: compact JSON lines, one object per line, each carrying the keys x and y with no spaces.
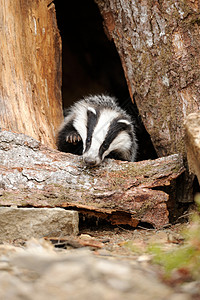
{"x":30,"y":73}
{"x":192,"y":139}
{"x":31,"y":174}
{"x":159,"y":46}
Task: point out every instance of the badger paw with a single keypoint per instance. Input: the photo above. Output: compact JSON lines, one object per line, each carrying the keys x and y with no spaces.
{"x":73,"y":138}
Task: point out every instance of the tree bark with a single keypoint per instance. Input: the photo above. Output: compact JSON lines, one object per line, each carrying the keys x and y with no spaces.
{"x":121,"y":192}
{"x":30,"y":73}
{"x":192,"y":140}
{"x":159,"y":46}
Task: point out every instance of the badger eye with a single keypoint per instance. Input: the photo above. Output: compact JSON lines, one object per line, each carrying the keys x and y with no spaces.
{"x":105,"y":146}
{"x":88,"y":140}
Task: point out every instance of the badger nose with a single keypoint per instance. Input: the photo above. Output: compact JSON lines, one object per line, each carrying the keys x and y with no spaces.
{"x":90,"y":162}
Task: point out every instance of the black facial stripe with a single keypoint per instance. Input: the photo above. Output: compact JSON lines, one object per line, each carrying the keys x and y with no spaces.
{"x":114,"y":129}
{"x":91,"y":123}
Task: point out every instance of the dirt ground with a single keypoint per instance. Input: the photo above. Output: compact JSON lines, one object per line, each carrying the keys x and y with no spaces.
{"x":102,"y":262}
{"x":128,"y":241}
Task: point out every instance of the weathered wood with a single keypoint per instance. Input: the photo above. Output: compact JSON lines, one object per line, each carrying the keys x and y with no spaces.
{"x":30,"y":72}
{"x":192,"y":140}
{"x":159,"y":46}
{"x":122,"y":192}
{"x":75,"y":242}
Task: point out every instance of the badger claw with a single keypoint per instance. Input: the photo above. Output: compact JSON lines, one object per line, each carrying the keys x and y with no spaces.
{"x":73,"y":138}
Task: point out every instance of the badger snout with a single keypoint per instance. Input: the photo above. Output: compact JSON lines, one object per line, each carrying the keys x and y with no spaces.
{"x":91,"y":161}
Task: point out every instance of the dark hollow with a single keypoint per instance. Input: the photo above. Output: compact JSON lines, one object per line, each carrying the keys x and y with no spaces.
{"x":91,"y":64}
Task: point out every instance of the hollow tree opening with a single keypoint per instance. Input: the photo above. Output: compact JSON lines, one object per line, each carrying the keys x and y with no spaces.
{"x":91,"y":64}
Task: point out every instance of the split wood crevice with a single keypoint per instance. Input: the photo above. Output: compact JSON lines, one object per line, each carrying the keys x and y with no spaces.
{"x":120,"y":192}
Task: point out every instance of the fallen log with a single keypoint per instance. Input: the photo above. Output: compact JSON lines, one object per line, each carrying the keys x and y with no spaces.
{"x":121,"y":192}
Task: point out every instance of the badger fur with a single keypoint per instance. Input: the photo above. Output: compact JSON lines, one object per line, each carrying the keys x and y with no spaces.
{"x":96,"y":127}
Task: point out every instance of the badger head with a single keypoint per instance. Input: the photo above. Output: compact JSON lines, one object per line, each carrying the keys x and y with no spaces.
{"x":105,"y":133}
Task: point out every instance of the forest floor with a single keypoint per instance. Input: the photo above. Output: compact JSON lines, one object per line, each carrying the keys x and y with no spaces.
{"x":104,"y":262}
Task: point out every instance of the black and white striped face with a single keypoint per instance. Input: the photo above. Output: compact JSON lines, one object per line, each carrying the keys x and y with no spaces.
{"x":103,"y":131}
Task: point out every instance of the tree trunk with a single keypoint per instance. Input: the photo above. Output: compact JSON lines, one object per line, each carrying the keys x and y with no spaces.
{"x":159,"y":46}
{"x":30,"y":73}
{"x":192,"y":138}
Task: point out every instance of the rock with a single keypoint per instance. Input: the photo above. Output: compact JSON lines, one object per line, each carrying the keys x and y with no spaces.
{"x":192,"y":288}
{"x":192,"y":138}
{"x":24,"y":223}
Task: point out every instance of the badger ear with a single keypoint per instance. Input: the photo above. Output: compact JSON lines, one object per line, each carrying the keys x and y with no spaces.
{"x":92,"y":110}
{"x":124,"y":121}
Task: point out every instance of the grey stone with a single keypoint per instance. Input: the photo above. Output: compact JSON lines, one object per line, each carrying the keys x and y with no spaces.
{"x":24,"y":223}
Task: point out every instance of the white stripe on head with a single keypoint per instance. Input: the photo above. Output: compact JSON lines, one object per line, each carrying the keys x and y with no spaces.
{"x":105,"y":119}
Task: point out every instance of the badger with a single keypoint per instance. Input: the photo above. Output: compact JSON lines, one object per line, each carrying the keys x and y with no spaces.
{"x":96,"y":127}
